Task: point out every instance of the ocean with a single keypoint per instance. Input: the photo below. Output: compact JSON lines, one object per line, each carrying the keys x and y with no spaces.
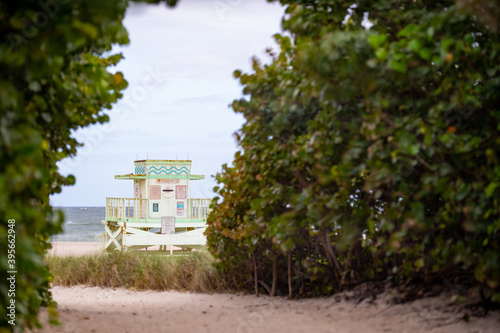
{"x":81,"y":224}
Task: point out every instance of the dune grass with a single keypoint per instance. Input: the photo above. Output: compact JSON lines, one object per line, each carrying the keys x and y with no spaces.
{"x":136,"y":271}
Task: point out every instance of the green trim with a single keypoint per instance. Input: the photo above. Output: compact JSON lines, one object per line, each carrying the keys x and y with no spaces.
{"x":132,"y":176}
{"x":193,"y":220}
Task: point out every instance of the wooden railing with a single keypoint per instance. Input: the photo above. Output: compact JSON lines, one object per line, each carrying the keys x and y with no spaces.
{"x":199,"y":208}
{"x":120,"y":209}
{"x":126,"y":208}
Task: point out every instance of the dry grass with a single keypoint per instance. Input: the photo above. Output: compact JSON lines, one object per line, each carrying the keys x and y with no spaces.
{"x":193,"y":272}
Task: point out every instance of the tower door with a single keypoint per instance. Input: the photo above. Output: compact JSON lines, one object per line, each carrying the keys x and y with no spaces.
{"x":167,"y":199}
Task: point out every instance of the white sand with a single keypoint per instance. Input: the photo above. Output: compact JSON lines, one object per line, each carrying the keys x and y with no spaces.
{"x":65,"y":249}
{"x":120,"y":310}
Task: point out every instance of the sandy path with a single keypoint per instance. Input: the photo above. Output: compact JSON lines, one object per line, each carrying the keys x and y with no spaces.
{"x":120,"y":310}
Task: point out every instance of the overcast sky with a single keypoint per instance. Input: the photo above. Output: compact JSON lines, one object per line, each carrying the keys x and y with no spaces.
{"x":179,"y":66}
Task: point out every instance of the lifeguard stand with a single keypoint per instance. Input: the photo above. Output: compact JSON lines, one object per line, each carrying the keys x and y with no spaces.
{"x":161,"y":211}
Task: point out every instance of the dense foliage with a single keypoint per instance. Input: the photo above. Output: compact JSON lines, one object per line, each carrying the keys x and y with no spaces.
{"x":368,"y":153}
{"x":53,"y":79}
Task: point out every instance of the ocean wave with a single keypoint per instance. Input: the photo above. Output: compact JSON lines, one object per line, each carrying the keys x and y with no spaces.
{"x":79,"y":223}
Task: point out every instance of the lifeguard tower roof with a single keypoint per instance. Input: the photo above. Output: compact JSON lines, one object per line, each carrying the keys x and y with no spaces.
{"x":161,"y":169}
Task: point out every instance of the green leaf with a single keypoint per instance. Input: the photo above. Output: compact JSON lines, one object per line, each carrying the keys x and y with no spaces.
{"x":415,"y":45}
{"x":408,"y":30}
{"x":376,"y":40}
{"x":490,"y":189}
{"x":398,"y":66}
{"x":35,"y":86}
{"x":414,"y":149}
{"x":381,"y":54}
{"x":417,"y":210}
{"x":425,"y":53}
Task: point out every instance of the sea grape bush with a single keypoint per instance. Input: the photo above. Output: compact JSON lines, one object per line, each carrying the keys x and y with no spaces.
{"x":54,"y":79}
{"x":367,"y":154}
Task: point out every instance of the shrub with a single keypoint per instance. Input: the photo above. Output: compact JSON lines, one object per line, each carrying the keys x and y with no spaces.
{"x":367,"y":154}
